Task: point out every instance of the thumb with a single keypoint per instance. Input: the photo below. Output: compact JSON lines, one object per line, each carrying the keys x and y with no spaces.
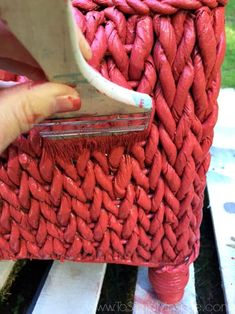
{"x":24,"y":105}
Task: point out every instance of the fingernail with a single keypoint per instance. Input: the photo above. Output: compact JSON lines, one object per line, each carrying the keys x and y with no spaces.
{"x":86,"y":49}
{"x":72,"y":85}
{"x":67,"y":103}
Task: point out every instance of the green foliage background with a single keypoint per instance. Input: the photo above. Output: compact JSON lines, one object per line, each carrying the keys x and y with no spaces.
{"x":228,"y":73}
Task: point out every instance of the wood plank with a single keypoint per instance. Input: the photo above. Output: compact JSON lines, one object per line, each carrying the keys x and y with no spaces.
{"x":71,"y":288}
{"x":5,"y":270}
{"x":221,"y":188}
{"x":145,"y":301}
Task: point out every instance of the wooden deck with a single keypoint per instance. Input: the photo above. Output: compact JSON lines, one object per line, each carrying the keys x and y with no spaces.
{"x":221,"y":187}
{"x":5,"y":270}
{"x":71,"y":288}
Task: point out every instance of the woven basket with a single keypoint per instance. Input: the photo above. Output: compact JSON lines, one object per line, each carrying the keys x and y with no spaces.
{"x":137,"y":206}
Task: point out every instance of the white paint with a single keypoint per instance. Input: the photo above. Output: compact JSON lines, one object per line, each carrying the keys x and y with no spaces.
{"x":225,"y":128}
{"x":71,"y":288}
{"x":5,"y":270}
{"x":147,"y":303}
{"x":226,"y":102}
{"x":221,"y":187}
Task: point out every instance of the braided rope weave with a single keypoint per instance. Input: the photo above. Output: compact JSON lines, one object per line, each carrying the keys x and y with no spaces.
{"x":138,"y":206}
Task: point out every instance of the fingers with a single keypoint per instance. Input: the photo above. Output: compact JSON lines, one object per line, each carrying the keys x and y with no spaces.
{"x":12,"y":49}
{"x":25,"y":105}
{"x":15,"y":58}
{"x":21,"y":68}
{"x":84,"y":46}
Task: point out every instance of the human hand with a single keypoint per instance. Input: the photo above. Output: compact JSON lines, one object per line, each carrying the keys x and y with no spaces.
{"x":24,"y":105}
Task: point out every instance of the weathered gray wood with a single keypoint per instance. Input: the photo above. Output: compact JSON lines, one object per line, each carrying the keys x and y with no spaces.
{"x":221,"y":187}
{"x":71,"y":288}
{"x":5,"y":270}
{"x":146,"y":303}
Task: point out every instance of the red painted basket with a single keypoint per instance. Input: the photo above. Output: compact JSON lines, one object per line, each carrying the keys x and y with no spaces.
{"x":137,"y":206}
